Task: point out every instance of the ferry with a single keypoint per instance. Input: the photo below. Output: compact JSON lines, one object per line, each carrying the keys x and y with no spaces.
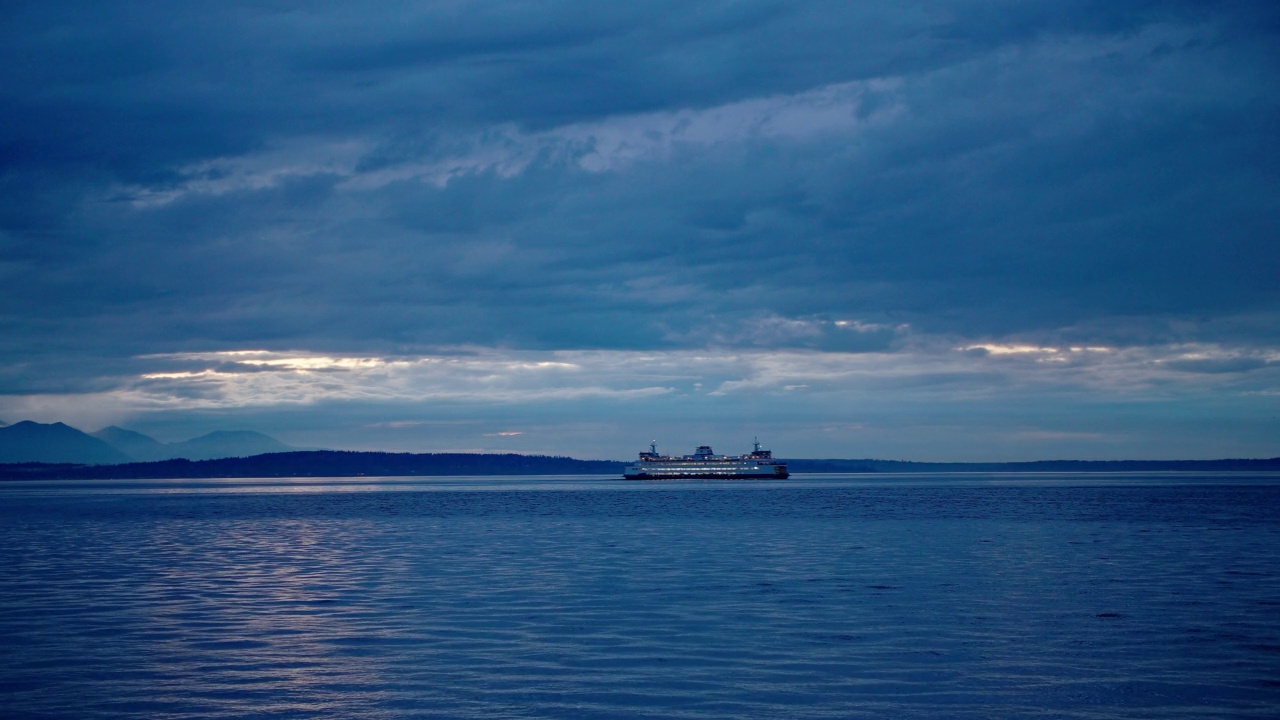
{"x":704,"y":464}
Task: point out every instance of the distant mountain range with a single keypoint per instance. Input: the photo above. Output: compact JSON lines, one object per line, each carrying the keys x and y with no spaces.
{"x":220,"y":444}
{"x":36,"y":442}
{"x":28,"y":442}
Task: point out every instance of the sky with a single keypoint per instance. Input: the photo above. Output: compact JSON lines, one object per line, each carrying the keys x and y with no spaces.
{"x":925,"y":230}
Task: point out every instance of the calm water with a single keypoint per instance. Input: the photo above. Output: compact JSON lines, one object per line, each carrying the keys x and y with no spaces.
{"x":979,"y":596}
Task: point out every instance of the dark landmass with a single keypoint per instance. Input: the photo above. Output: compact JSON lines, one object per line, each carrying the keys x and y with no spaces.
{"x":903,"y":466}
{"x":336,"y":463}
{"x":319,"y":463}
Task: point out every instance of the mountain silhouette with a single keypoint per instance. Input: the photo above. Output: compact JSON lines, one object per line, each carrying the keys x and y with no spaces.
{"x":142,"y":448}
{"x":226,"y":443}
{"x":219,"y":444}
{"x":29,"y":441}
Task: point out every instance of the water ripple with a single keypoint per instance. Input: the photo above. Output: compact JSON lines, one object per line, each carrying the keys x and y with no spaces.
{"x":679,"y":601}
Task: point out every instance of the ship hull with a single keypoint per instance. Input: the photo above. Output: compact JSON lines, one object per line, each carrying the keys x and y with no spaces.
{"x":703,"y":476}
{"x":765,"y":473}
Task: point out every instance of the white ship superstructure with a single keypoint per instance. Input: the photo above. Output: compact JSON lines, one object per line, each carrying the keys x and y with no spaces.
{"x":705,"y":464}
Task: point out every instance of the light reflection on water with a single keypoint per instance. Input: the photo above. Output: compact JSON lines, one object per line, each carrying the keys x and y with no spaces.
{"x":477,"y":483}
{"x":1140,"y":595}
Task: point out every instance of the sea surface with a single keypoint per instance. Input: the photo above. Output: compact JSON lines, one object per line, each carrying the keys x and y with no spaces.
{"x":855,"y":596}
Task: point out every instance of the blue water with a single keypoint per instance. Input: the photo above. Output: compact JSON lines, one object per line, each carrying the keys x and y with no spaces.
{"x":964,"y":596}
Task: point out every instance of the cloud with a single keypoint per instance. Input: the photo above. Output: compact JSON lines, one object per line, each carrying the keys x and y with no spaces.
{"x":505,"y":151}
{"x":1220,"y":360}
{"x":1059,"y":435}
{"x":918,"y":399}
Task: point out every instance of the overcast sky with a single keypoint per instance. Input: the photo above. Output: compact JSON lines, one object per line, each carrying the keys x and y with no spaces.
{"x":929,"y":230}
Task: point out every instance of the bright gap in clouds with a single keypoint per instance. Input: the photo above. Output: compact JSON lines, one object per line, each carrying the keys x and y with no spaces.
{"x":266,"y":378}
{"x":924,"y":401}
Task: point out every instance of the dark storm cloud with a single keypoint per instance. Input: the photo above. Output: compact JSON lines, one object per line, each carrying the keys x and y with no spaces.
{"x":818,"y":176}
